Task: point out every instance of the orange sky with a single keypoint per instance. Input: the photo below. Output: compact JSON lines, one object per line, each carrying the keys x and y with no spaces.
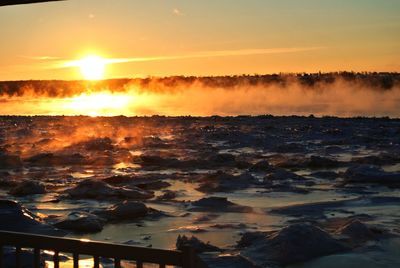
{"x":177,"y":37}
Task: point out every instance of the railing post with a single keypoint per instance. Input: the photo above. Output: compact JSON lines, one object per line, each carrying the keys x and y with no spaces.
{"x":96,"y":262}
{"x":188,"y":257}
{"x":117,"y":263}
{"x":56,"y":259}
{"x":36,"y":257}
{"x":18,"y":256}
{"x":139,"y":264}
{"x":75,"y":256}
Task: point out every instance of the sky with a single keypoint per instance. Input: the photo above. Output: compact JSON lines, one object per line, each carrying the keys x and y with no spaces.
{"x":207,"y":37}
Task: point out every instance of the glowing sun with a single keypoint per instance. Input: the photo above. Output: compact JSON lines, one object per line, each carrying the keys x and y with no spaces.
{"x":92,"y":67}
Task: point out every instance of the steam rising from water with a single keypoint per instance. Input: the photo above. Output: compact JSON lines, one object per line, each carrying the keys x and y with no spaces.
{"x":338,"y":98}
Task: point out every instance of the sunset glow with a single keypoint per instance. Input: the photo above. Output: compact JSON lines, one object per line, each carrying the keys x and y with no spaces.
{"x":213,"y":133}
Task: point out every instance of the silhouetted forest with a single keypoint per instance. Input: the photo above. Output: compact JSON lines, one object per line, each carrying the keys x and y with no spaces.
{"x":62,"y":88}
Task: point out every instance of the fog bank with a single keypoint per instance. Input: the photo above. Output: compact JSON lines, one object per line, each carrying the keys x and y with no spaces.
{"x":226,"y":96}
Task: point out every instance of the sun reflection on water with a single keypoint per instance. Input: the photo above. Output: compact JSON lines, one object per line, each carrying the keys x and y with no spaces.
{"x":98,"y":104}
{"x":85,"y":263}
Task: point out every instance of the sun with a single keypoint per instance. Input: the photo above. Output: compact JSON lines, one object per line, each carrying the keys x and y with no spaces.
{"x":92,"y":67}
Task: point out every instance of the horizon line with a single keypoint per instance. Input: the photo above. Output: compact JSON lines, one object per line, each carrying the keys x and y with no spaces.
{"x":210,"y":76}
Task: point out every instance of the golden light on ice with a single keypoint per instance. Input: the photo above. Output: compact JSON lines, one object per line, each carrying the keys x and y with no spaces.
{"x":92,"y":67}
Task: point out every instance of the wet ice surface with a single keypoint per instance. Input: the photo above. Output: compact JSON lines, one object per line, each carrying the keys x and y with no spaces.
{"x":260,"y":164}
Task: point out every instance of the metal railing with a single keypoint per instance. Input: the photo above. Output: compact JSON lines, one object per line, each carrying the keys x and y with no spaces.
{"x":185,"y":258}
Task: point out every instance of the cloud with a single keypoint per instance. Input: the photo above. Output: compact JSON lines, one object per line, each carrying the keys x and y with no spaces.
{"x":52,"y":62}
{"x":40,"y":58}
{"x":177,"y":12}
{"x":218,"y":53}
{"x":199,"y":54}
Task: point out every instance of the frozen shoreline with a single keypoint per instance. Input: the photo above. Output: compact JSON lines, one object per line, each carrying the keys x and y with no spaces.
{"x":274,"y":172}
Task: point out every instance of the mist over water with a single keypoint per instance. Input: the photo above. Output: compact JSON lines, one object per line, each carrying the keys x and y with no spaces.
{"x":341,"y":97}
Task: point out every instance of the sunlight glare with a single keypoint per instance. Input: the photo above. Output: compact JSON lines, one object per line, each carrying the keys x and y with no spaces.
{"x":99,"y":104}
{"x":92,"y":67}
